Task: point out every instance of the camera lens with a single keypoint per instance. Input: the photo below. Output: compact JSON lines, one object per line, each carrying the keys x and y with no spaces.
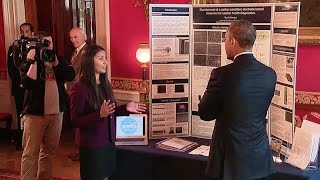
{"x":47,"y":55}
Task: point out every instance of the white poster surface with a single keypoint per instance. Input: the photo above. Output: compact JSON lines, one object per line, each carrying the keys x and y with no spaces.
{"x":262,"y":46}
{"x":202,"y":128}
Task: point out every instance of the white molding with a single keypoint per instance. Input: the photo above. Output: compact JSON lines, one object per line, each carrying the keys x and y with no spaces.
{"x":103,"y":28}
{"x":123,"y":95}
{"x":13,"y":16}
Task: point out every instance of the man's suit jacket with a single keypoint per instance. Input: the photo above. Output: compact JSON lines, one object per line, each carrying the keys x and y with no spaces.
{"x":75,"y":63}
{"x":238,"y":96}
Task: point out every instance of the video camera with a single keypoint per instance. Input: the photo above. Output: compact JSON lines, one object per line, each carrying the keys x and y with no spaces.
{"x":43,"y":54}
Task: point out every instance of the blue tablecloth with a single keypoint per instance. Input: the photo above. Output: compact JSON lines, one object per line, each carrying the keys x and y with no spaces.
{"x":151,"y":163}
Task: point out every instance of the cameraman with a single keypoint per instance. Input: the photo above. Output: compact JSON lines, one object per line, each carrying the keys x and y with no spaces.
{"x":14,"y":61}
{"x":44,"y":104}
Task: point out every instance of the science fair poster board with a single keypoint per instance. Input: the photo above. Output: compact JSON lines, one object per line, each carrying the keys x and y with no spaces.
{"x":209,"y":26}
{"x":284,"y":59}
{"x":170,"y":70}
{"x":175,"y":48}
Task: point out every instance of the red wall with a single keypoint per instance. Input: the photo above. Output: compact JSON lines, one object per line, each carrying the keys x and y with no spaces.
{"x":128,"y":28}
{"x":2,"y":41}
{"x":308,"y":68}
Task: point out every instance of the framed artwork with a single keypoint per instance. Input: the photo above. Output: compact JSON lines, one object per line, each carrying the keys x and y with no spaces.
{"x":309,"y":31}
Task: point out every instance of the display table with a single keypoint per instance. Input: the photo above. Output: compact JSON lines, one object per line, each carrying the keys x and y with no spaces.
{"x":151,"y":163}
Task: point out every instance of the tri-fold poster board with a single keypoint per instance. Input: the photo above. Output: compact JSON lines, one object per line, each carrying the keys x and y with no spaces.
{"x":187,"y":42}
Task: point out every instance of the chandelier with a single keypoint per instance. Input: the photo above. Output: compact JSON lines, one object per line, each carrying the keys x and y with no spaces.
{"x":141,"y":3}
{"x":144,"y":4}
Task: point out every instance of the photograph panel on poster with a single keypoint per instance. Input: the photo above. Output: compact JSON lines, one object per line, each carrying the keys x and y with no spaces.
{"x":284,"y":65}
{"x":173,"y":49}
{"x":283,"y":96}
{"x":169,"y":119}
{"x":170,"y":90}
{"x":281,"y":123}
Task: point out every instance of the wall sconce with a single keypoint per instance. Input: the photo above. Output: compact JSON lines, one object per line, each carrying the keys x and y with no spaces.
{"x":143,"y":56}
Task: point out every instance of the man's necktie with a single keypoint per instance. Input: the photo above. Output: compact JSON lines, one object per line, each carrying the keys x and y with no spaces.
{"x":73,"y":57}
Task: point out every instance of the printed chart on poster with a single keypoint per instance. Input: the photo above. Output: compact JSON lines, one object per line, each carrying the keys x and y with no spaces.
{"x":170,"y":70}
{"x":209,"y":27}
{"x":284,"y":55}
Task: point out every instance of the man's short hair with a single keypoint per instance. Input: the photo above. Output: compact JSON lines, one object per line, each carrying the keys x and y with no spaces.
{"x":244,"y":32}
{"x":27,"y":24}
{"x":42,"y":34}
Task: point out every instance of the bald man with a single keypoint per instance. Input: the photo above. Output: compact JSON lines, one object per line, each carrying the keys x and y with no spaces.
{"x":78,"y":39}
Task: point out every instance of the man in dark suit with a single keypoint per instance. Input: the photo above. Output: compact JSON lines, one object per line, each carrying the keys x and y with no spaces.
{"x":14,"y":61}
{"x":238,"y":97}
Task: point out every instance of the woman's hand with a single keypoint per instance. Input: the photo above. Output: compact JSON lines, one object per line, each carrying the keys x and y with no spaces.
{"x":136,"y":107}
{"x":107,"y":108}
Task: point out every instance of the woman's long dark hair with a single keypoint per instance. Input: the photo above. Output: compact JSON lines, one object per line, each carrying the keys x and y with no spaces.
{"x":87,"y":76}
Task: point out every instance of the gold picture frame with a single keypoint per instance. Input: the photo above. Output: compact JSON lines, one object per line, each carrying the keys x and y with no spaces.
{"x":309,"y":30}
{"x":309,"y":35}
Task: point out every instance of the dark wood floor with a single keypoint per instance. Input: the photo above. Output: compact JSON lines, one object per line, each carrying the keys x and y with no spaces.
{"x":63,"y":166}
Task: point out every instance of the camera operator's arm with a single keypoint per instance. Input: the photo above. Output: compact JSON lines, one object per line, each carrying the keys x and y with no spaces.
{"x":33,"y":69}
{"x":62,"y":70}
{"x":29,"y":78}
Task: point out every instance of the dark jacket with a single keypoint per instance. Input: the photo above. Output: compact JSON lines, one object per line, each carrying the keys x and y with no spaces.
{"x":35,"y":89}
{"x":13,"y":64}
{"x":238,"y":97}
{"x":91,"y":130}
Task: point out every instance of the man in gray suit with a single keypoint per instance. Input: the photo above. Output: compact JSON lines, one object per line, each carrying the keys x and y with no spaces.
{"x":238,"y":97}
{"x":78,"y":40}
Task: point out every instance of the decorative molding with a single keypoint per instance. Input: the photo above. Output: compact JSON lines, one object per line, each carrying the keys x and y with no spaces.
{"x":127,"y":84}
{"x":122,"y":95}
{"x":308,"y":98}
{"x":309,"y":35}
